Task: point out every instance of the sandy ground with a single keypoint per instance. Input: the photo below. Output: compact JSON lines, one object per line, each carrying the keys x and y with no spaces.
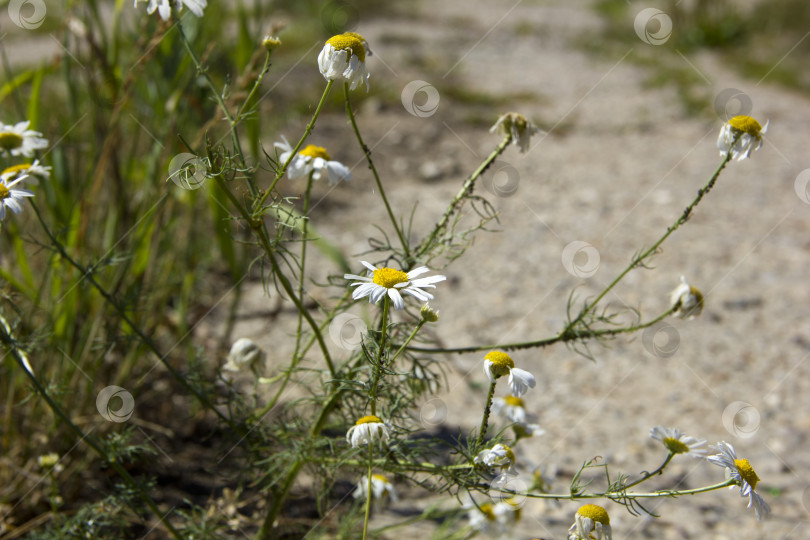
{"x":619,"y":163}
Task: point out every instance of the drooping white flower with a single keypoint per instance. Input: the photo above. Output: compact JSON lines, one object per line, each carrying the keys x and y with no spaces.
{"x":678,"y":443}
{"x":512,"y":409}
{"x":164,"y":7}
{"x":343,"y":58}
{"x":494,"y":519}
{"x":747,"y":133}
{"x":381,"y":489}
{"x":312,"y":159}
{"x":367,"y":430}
{"x":499,"y":458}
{"x":686,"y":300}
{"x":518,"y":127}
{"x":382,"y":281}
{"x":497,"y":364}
{"x":18,"y":140}
{"x":11,"y":197}
{"x":743,"y":473}
{"x":591,"y":518}
{"x":32,"y":170}
{"x":244,"y":354}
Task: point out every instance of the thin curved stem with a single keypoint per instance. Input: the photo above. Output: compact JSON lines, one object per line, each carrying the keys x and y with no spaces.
{"x":485,"y":420}
{"x":372,"y":396}
{"x":367,"y":153}
{"x":368,"y":488}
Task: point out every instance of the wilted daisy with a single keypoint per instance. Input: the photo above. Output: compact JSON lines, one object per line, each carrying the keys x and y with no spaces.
{"x":367,"y":430}
{"x":381,"y":489}
{"x":518,"y":127}
{"x":590,"y":518}
{"x":686,"y":300}
{"x":382,"y":281}
{"x":499,"y":518}
{"x":678,"y":443}
{"x":344,"y":58}
{"x":741,"y":471}
{"x":18,"y":140}
{"x":499,"y":458}
{"x":244,"y":354}
{"x":497,"y":364}
{"x":746,"y":131}
{"x":312,"y":159}
{"x":164,"y":7}
{"x":34,"y":169}
{"x":512,"y":409}
{"x":10,"y":197}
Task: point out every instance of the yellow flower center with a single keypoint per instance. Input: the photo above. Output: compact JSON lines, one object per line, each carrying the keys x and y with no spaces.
{"x":515,"y":504}
{"x":513,"y":401}
{"x":381,"y":478}
{"x":350,"y":41}
{"x":509,"y":454}
{"x":370,"y":419}
{"x":502,"y":363}
{"x":747,"y":472}
{"x":487,"y":510}
{"x":4,"y":192}
{"x":594,"y":512}
{"x":14,"y":169}
{"x":315,"y":151}
{"x":10,"y":140}
{"x":675,"y":446}
{"x":746,"y":124}
{"x":388,"y":277}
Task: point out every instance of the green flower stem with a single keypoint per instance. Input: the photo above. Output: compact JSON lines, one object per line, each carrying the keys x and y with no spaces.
{"x":466,"y":190}
{"x":620,"y":496}
{"x":257,"y":226}
{"x":257,"y":206}
{"x":368,"y":489}
{"x":638,"y":260}
{"x":218,"y":96}
{"x":485,"y":420}
{"x":560,"y":338}
{"x":87,"y":274}
{"x":410,"y":338}
{"x":372,"y":396}
{"x":647,"y":476}
{"x":10,"y":344}
{"x":302,"y":264}
{"x":266,"y":530}
{"x":367,"y":153}
{"x":256,"y":84}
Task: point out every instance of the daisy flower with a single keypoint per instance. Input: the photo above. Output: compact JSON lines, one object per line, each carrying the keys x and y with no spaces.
{"x":381,"y":488}
{"x":686,"y":300}
{"x":312,"y":159}
{"x":367,"y":430}
{"x":741,"y":471}
{"x":497,"y":364}
{"x":748,"y":134}
{"x":344,"y":58}
{"x":30,"y":169}
{"x":590,"y":518}
{"x":499,"y":457}
{"x":382,"y":281}
{"x":164,"y":7}
{"x":244,"y":354}
{"x":678,"y":443}
{"x":518,"y":127}
{"x":499,"y":518}
{"x":512,"y":409}
{"x":9,"y":197}
{"x":18,"y":140}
